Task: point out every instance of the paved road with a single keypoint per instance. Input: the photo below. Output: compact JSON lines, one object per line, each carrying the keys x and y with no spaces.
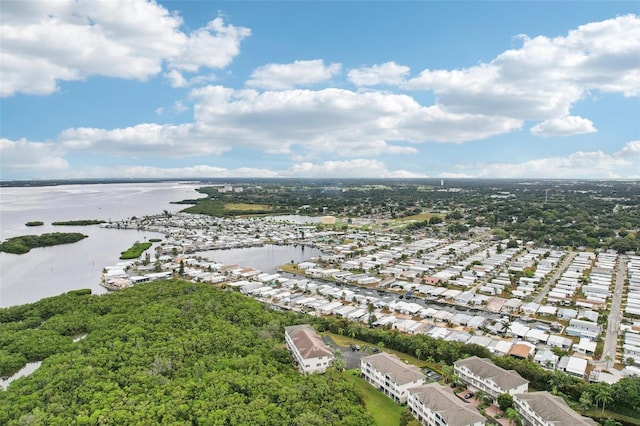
{"x":554,"y":278}
{"x":615,"y":317}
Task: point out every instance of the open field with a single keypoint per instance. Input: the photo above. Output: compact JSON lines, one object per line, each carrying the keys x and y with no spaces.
{"x":240,"y":207}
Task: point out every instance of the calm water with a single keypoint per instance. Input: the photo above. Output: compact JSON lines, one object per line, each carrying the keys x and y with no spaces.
{"x":266,"y":259}
{"x":50,"y":271}
{"x":23,"y":372}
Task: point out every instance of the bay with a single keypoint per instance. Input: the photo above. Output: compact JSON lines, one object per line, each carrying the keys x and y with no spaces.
{"x":50,"y":271}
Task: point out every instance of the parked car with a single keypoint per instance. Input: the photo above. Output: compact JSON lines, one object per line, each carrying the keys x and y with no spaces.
{"x":468,"y":396}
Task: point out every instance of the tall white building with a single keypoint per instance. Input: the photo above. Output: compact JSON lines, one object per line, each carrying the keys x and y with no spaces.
{"x":436,"y":405}
{"x":545,"y":409}
{"x":390,"y":375}
{"x":482,"y":374}
{"x":310,"y":353}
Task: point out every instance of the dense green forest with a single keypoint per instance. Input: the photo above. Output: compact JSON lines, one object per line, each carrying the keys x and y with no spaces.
{"x":172,"y":352}
{"x":135,"y":250}
{"x":79,"y":222}
{"x":23,"y":244}
{"x":34,"y":223}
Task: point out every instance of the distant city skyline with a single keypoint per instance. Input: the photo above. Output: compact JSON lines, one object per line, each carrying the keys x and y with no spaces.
{"x":379,"y":89}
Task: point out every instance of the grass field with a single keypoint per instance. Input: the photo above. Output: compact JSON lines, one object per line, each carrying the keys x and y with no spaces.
{"x":421,"y":216}
{"x":383,"y":410}
{"x":240,"y":207}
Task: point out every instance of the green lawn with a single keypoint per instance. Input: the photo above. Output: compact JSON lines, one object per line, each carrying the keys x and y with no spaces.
{"x":383,"y":410}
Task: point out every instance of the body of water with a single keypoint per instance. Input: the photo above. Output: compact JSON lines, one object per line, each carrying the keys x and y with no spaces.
{"x":23,"y":372}
{"x":49,"y":271}
{"x":266,"y":259}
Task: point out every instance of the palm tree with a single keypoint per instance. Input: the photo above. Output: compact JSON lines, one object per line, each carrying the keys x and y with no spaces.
{"x":603,"y":394}
{"x":513,"y":416}
{"x":483,"y":397}
{"x":370,"y":310}
{"x":559,"y":381}
{"x":447,"y":373}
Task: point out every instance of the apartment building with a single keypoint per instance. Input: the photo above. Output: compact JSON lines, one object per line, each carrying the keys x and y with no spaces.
{"x":482,"y":374}
{"x":436,"y":405}
{"x":390,"y":375}
{"x":310,"y":353}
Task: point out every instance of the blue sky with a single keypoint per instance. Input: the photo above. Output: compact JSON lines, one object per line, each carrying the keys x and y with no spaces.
{"x":183,"y":89}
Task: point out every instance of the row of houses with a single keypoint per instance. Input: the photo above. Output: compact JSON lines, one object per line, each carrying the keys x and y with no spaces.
{"x":531,"y":340}
{"x":631,"y":337}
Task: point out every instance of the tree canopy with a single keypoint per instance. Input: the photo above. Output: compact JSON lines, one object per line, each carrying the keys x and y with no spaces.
{"x":171,"y":352}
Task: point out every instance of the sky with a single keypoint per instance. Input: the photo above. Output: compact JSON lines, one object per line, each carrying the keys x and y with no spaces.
{"x":331,"y":89}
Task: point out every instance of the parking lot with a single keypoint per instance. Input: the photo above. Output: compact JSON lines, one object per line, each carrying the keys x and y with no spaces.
{"x":351,"y":357}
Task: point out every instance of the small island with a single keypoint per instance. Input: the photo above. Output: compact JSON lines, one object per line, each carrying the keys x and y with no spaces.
{"x":135,"y":250}
{"x":23,"y":244}
{"x":34,"y":223}
{"x":79,"y":222}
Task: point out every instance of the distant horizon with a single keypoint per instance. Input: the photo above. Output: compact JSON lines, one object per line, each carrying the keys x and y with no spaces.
{"x":277,"y":89}
{"x":222,"y":180}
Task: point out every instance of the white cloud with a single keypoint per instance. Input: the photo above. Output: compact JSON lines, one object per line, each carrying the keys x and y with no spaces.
{"x":213,"y":46}
{"x":578,"y":165}
{"x":44,"y":42}
{"x":347,"y":169}
{"x":143,"y":140}
{"x":334,"y":120}
{"x":303,"y":123}
{"x":630,"y":150}
{"x":159,"y":110}
{"x":546,"y":76}
{"x":23,"y":156}
{"x":387,"y":73}
{"x":288,"y":76}
{"x":179,"y":106}
{"x":176,"y":79}
{"x":565,"y":126}
{"x":353,"y":168}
